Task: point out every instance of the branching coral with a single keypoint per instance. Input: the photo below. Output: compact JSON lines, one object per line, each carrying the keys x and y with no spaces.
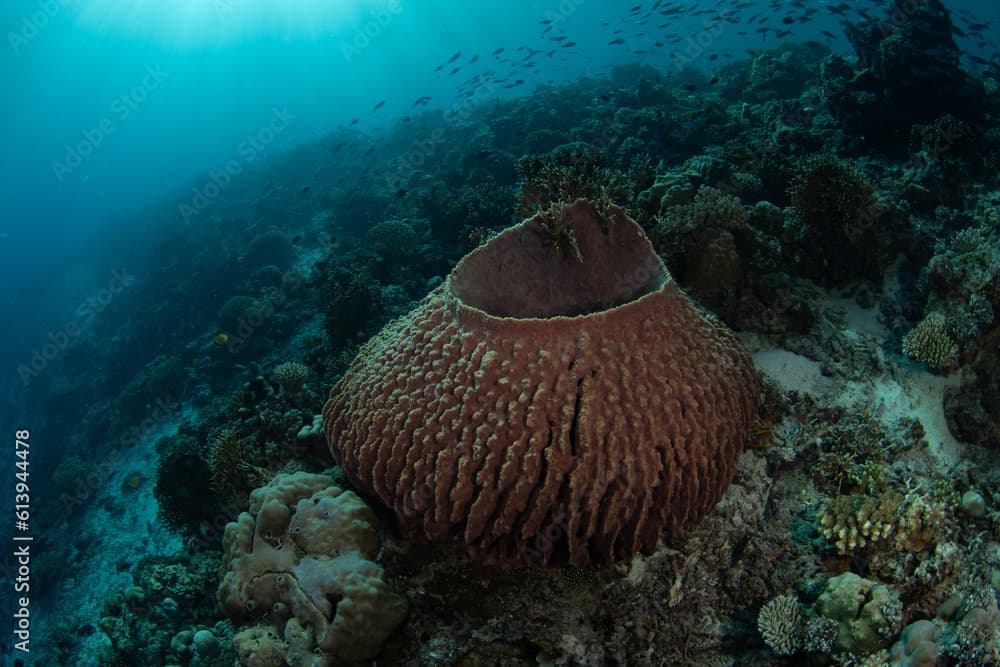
{"x":904,"y":522}
{"x":840,"y":220}
{"x":567,"y":173}
{"x":291,"y":375}
{"x":231,"y":474}
{"x":929,"y":342}
{"x":828,"y":192}
{"x":780,"y":623}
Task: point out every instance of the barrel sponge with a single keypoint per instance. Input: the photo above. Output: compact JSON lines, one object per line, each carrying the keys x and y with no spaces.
{"x":556,"y":399}
{"x":299,"y":567}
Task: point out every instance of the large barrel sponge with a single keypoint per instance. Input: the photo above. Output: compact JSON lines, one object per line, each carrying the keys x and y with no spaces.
{"x":556,"y":399}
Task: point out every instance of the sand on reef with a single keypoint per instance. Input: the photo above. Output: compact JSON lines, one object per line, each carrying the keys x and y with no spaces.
{"x":904,"y":390}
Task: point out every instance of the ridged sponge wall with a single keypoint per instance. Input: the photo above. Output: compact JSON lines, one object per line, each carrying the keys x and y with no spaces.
{"x":557,"y":399}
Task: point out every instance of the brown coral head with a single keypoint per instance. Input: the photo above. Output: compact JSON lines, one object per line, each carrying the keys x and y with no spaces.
{"x":557,"y":399}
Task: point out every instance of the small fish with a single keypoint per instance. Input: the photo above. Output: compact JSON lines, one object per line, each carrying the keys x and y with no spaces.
{"x":497,"y":52}
{"x":304,"y":190}
{"x":690,"y":87}
{"x":355,"y":121}
{"x":613,"y":42}
{"x":474,"y":59}
{"x":454,"y":71}
{"x":454,"y":58}
{"x":296,"y":238}
{"x":379,"y":105}
{"x":714,"y":80}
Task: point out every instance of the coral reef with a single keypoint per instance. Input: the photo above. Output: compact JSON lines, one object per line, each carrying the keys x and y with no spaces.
{"x":352,"y":299}
{"x":907,"y":71}
{"x":696,"y":238}
{"x":167,"y":616}
{"x":812,"y":202}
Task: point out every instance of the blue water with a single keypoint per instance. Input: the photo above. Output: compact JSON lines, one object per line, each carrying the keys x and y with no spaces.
{"x":116,"y":116}
{"x":158,"y":94}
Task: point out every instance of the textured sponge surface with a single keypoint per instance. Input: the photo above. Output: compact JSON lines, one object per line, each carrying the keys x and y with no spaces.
{"x":549,"y":438}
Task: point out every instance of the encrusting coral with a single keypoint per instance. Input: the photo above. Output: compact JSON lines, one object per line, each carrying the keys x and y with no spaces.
{"x":298,"y":568}
{"x":548,"y":406}
{"x":869,"y":613}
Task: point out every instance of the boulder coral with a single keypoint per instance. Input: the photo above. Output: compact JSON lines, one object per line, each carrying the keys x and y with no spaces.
{"x":869,"y":613}
{"x":556,"y":399}
{"x":298,"y":568}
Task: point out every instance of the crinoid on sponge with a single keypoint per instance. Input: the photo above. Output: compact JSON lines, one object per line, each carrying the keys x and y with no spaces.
{"x":548,"y":406}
